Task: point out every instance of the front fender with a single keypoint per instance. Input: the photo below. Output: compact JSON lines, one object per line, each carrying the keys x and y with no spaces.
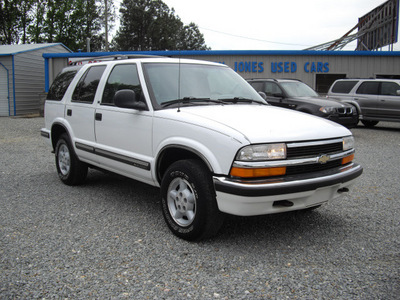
{"x":355,"y":104}
{"x":218,"y":156}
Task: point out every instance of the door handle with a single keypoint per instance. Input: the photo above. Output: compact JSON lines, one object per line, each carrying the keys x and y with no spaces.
{"x":98,"y":116}
{"x":69,"y":112}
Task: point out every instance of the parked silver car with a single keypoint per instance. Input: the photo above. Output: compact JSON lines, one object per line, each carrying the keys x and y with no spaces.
{"x":375,"y":99}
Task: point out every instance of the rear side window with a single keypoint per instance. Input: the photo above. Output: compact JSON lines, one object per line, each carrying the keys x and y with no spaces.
{"x":369,"y":88}
{"x":86,"y":88}
{"x":60,"y":85}
{"x":343,"y":87}
{"x":389,"y":88}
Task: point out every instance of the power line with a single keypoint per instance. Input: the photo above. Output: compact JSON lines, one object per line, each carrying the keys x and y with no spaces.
{"x":253,"y":39}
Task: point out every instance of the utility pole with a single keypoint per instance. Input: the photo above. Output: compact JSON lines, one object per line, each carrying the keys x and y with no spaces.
{"x":106,"y":22}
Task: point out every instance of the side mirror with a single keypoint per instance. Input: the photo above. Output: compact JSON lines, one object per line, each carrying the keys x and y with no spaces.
{"x":398,"y":92}
{"x":263,"y":95}
{"x":127,"y":99}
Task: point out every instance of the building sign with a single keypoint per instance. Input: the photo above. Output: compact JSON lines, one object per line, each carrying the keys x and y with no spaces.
{"x":379,"y":27}
{"x":280,"y":67}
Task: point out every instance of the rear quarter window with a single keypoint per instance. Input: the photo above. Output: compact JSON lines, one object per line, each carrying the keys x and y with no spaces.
{"x":389,"y":88}
{"x":343,"y":87}
{"x":60,"y":85}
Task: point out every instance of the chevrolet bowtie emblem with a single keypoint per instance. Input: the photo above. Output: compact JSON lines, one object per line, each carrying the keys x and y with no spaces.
{"x":323,"y":159}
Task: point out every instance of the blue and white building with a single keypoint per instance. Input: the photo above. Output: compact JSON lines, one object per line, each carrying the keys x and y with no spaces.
{"x":22,"y":76}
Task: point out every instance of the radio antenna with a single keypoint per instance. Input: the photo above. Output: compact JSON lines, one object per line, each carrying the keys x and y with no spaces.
{"x":179,"y":83}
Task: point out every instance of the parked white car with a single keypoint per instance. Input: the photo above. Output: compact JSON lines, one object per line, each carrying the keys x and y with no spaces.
{"x":199,"y":132}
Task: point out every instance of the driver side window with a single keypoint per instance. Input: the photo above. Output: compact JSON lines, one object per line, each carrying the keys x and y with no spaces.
{"x":122,"y":77}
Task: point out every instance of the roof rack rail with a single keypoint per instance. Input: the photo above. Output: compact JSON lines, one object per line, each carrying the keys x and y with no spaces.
{"x":274,"y":79}
{"x":291,"y":79}
{"x":112,"y":57}
{"x":356,"y":78}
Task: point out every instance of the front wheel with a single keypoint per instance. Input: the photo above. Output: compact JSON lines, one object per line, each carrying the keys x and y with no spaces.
{"x":369,"y":124}
{"x":188,"y":201}
{"x":69,"y":168}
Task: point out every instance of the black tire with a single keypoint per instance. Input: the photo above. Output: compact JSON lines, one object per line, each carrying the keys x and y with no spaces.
{"x":369,"y":124}
{"x":188,"y":201}
{"x":69,"y":168}
{"x":356,"y":110}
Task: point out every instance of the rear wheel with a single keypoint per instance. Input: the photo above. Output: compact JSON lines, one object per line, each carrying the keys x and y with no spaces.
{"x":369,"y":124}
{"x":69,"y":168}
{"x":188,"y":201}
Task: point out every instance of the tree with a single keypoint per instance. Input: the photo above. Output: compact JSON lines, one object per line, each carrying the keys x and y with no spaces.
{"x":151,"y":25}
{"x":107,"y":17}
{"x":10,"y":17}
{"x":25,"y":19}
{"x":70,"y":22}
{"x":145,"y":25}
{"x":191,"y":38}
{"x":35,"y":28}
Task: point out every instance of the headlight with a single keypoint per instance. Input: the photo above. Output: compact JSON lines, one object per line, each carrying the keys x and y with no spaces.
{"x":262,"y":152}
{"x":327,"y":110}
{"x":348,"y":143}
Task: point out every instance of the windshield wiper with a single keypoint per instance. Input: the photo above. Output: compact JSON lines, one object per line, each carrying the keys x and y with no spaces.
{"x":239,"y":99}
{"x":185,"y":100}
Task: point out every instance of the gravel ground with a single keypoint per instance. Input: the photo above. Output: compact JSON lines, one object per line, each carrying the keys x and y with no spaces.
{"x":107,"y":239}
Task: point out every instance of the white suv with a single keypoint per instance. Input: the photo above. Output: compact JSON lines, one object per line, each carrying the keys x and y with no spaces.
{"x":375,"y":99}
{"x":199,"y":132}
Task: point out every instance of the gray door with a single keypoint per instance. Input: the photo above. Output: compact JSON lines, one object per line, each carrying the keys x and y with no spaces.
{"x":389,"y":101}
{"x":367,"y":97}
{"x":4,"y":109}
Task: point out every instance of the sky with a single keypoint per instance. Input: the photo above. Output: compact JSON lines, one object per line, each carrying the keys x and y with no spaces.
{"x":272,"y":25}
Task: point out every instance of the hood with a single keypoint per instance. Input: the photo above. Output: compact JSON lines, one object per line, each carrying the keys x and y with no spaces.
{"x":259,"y":123}
{"x":320,"y":101}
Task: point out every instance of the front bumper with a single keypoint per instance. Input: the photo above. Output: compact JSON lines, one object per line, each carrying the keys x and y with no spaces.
{"x":347,"y":121}
{"x":45,"y":133}
{"x":258,"y":197}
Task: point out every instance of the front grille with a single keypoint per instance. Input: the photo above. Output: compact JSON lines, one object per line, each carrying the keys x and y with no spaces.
{"x":311,"y":150}
{"x":314,"y":150}
{"x":345,"y":111}
{"x":312,"y":167}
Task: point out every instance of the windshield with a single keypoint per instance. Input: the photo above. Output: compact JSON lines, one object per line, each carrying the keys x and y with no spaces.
{"x":298,"y":89}
{"x":195,"y":83}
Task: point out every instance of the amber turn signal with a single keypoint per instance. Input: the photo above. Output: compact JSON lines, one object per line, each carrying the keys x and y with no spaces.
{"x":347,"y":159}
{"x":262,"y":172}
